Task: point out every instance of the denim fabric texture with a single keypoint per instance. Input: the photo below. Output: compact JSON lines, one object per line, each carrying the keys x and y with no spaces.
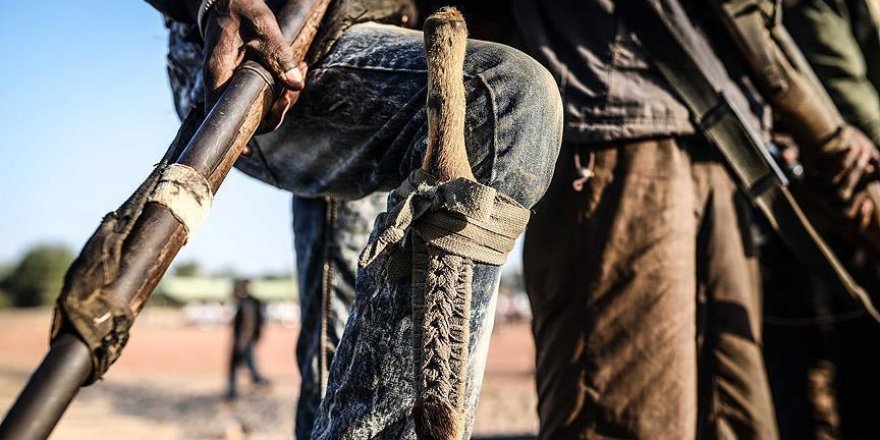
{"x":329,"y":235}
{"x":360,"y":127}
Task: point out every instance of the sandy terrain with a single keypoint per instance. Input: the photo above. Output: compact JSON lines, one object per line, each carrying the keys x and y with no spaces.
{"x":169,"y":383}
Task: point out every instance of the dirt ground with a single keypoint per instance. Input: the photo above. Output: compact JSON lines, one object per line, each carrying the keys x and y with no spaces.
{"x":170,"y":380}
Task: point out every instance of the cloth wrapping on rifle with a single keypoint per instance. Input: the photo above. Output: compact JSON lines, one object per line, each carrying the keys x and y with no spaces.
{"x":186,"y":194}
{"x":454,"y":225}
{"x":86,"y":306}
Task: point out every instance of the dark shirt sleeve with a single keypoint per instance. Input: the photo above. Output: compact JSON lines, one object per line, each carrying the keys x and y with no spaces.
{"x":824,"y":31}
{"x":175,"y":9}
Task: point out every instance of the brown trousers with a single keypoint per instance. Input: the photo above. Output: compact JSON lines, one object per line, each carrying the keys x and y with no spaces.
{"x":634,"y":282}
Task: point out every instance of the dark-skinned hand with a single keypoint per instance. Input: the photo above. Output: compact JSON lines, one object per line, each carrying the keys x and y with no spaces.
{"x":235,"y":29}
{"x":850,"y":171}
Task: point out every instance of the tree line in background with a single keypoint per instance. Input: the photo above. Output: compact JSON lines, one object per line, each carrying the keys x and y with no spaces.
{"x":36,"y":279}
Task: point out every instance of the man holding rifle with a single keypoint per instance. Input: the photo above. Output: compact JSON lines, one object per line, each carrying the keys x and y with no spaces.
{"x":820,"y":369}
{"x":359,"y":127}
{"x":643,"y":222}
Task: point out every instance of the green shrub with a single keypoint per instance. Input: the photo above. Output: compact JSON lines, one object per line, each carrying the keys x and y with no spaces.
{"x":38,"y":277}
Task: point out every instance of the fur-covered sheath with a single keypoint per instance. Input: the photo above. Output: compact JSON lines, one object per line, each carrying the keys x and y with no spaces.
{"x":453,"y":222}
{"x":442,"y":281}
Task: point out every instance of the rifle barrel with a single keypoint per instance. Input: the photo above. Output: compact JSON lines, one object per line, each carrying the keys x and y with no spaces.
{"x":49,"y":390}
{"x":157,"y":236}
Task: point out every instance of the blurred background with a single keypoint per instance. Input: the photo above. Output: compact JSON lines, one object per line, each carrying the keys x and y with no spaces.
{"x":85,"y":111}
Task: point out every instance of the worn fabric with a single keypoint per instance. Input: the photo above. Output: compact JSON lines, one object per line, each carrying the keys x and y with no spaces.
{"x":459,"y":216}
{"x":841,"y":41}
{"x":609,"y":87}
{"x":100,"y":318}
{"x":186,"y":194}
{"x":613,"y":275}
{"x":186,"y":56}
{"x":329,"y":235}
{"x":340,"y":15}
{"x":454,"y":225}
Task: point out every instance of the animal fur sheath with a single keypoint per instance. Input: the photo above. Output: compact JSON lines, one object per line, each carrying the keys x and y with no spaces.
{"x":442,"y":281}
{"x":452,"y":224}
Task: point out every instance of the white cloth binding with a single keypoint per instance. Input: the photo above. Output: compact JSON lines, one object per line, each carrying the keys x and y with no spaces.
{"x":186,"y":193}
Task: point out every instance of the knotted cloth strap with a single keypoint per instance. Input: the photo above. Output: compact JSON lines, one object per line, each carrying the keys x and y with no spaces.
{"x":454,"y":224}
{"x":461,"y":217}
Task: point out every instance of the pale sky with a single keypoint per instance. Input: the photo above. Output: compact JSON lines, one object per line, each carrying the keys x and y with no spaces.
{"x":85,"y":110}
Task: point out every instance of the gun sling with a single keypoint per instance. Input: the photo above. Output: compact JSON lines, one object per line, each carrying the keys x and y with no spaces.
{"x":706,"y":90}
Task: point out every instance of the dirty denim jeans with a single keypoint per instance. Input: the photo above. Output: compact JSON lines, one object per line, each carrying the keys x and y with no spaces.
{"x":329,"y":234}
{"x":360,"y":126}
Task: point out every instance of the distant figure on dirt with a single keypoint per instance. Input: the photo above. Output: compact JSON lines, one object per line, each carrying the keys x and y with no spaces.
{"x":246,"y":328}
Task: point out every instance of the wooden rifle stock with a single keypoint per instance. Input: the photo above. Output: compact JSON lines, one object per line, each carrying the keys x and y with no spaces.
{"x":157,"y":235}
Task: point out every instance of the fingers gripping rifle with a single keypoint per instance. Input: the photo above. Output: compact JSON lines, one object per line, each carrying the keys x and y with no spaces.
{"x":790,"y":84}
{"x":117,"y":270}
{"x":687,"y":61}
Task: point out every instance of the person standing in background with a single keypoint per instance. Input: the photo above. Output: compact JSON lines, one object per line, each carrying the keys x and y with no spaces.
{"x":247,"y":325}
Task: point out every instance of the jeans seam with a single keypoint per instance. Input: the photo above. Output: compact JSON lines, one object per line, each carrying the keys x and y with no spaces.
{"x":326,"y":291}
{"x":493,"y":102}
{"x":340,"y":65}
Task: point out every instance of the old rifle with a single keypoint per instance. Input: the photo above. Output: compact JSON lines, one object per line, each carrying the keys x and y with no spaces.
{"x":686,"y":60}
{"x":153,"y":235}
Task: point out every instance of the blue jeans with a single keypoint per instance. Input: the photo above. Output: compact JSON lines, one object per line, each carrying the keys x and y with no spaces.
{"x":328,"y":236}
{"x":359,"y":127}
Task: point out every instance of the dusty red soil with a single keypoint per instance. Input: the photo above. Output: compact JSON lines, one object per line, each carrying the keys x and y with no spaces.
{"x":170,"y":380}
